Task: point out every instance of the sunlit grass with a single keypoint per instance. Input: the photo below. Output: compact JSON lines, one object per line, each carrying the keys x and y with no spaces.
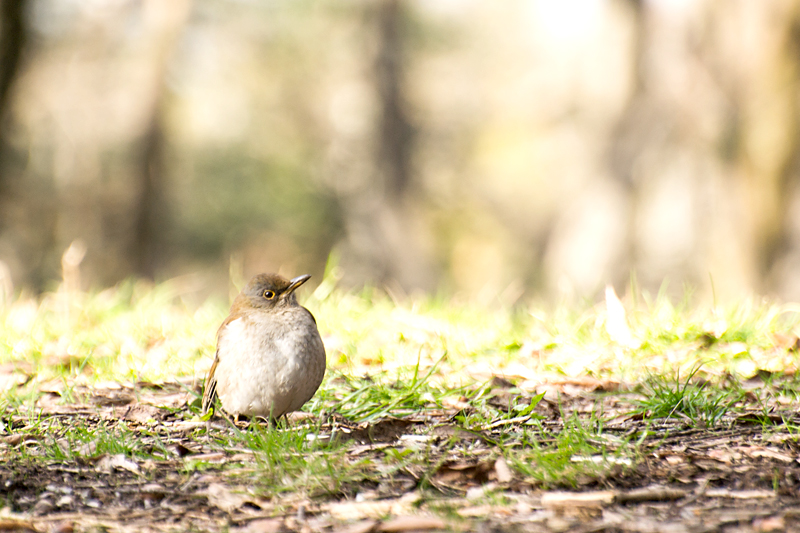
{"x":579,"y":451}
{"x":395,"y":358}
{"x":680,"y":397}
{"x":142,"y":332}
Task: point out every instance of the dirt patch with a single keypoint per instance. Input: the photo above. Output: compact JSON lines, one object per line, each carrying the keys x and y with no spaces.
{"x":141,"y":462}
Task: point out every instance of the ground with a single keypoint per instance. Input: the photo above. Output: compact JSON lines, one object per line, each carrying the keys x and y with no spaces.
{"x":433,"y":416}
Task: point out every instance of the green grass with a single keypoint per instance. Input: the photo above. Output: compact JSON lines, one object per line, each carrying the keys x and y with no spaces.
{"x":676,"y":397}
{"x":423,"y":356}
{"x":578,"y":452}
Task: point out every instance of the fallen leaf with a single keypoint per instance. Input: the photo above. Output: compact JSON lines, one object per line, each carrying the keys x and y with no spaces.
{"x":66,"y":362}
{"x":360,"y":510}
{"x":385,"y":430}
{"x":647,"y":494}
{"x":771,"y":523}
{"x":739,"y":494}
{"x":770,"y":453}
{"x":63,"y":527}
{"x":21,"y":438}
{"x":566,"y":500}
{"x":477,"y":511}
{"x":109,"y":397}
{"x":17,"y":526}
{"x":374,"y":509}
{"x":153,"y":488}
{"x":365,"y":526}
{"x":212,"y":457}
{"x":108,"y":463}
{"x":226,"y":499}
{"x":12,"y":380}
{"x":786,"y":341}
{"x":502,"y":471}
{"x":264,"y":525}
{"x":168,"y":401}
{"x":464,"y":472}
{"x":141,"y":413}
{"x":724,"y":456}
{"x":412,"y":523}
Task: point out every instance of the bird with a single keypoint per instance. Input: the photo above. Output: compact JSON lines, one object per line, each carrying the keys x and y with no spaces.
{"x":270,"y":359}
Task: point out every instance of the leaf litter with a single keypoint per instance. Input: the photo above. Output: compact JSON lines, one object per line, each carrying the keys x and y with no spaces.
{"x":433,"y":470}
{"x":604,"y":421}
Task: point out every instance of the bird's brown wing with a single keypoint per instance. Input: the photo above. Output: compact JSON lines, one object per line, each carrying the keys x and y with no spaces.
{"x":210,"y":390}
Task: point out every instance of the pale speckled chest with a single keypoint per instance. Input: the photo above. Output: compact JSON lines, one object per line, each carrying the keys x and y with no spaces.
{"x":269,"y":363}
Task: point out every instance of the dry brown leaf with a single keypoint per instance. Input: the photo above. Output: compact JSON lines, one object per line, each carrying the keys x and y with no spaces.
{"x":379,"y":509}
{"x":412,"y":523}
{"x":173,"y":400}
{"x":768,"y":452}
{"x":565,"y":500}
{"x":587,"y":383}
{"x":464,"y":472}
{"x":502,"y":471}
{"x":108,"y":463}
{"x":141,"y":413}
{"x":365,"y":526}
{"x":66,"y":362}
{"x":226,"y":499}
{"x":477,"y":511}
{"x":786,"y":341}
{"x":21,"y":438}
{"x":188,"y":425}
{"x":458,"y":404}
{"x":739,"y":494}
{"x":12,"y":380}
{"x":724,"y":456}
{"x":264,"y":525}
{"x":360,"y":510}
{"x":18,"y":526}
{"x":772,"y":523}
{"x":653,"y":493}
{"x":63,"y":527}
{"x":385,"y":430}
{"x":212,"y":457}
{"x":110,"y":397}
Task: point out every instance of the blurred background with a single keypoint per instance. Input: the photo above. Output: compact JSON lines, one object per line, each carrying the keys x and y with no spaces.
{"x":494,"y":149}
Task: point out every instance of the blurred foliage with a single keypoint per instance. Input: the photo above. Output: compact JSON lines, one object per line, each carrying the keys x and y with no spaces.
{"x":536,"y":146}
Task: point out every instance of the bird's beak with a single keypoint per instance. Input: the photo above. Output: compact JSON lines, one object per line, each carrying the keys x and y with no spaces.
{"x":296,"y":282}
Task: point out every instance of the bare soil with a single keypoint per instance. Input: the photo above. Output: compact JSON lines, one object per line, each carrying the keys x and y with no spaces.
{"x":742,"y":475}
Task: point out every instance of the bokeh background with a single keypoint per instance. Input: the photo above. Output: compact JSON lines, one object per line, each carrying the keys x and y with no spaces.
{"x":494,"y":149}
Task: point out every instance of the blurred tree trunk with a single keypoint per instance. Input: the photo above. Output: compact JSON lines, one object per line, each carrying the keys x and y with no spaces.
{"x":385,"y":232}
{"x":396,"y":134}
{"x":768,"y":147}
{"x":630,"y":136}
{"x":13,"y":37}
{"x":151,"y":213}
{"x":151,"y":207}
{"x":778,"y":167}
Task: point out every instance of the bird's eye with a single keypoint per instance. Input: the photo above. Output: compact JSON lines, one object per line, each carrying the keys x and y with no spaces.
{"x":269,"y":295}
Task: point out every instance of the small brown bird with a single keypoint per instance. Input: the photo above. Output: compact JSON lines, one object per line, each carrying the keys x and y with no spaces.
{"x":270,"y":358}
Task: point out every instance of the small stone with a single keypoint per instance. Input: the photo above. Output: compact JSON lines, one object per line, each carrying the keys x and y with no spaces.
{"x":65,"y":501}
{"x":43,"y":507}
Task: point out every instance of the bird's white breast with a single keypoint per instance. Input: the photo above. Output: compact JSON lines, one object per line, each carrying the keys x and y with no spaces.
{"x":269,"y":364}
